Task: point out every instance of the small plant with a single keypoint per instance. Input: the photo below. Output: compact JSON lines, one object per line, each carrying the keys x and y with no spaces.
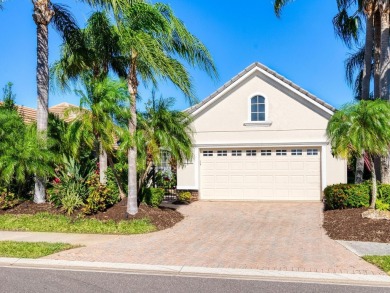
{"x":8,"y":199}
{"x":184,"y":196}
{"x":153,"y":196}
{"x":70,"y":202}
{"x":381,"y":205}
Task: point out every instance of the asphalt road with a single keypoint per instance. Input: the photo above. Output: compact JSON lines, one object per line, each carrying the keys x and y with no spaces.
{"x":43,"y":280}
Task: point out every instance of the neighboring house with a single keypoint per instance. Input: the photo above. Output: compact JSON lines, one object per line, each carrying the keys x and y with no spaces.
{"x":29,"y":115}
{"x":261,"y":137}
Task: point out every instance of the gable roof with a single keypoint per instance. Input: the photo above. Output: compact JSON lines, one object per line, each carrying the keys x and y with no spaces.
{"x":267,"y":71}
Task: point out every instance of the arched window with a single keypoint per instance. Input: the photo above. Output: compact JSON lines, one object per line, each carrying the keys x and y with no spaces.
{"x":258,"y":108}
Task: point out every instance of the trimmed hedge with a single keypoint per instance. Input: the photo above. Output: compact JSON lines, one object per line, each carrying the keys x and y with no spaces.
{"x":345,"y":196}
{"x":153,"y":196}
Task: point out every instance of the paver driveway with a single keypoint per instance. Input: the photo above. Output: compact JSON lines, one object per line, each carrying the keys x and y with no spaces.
{"x":270,"y":236}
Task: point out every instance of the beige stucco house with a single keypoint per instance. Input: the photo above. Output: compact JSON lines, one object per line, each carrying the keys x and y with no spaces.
{"x":261,"y":137}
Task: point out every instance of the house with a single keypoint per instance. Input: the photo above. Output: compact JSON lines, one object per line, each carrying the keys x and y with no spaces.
{"x":29,"y":115}
{"x":261,"y":137}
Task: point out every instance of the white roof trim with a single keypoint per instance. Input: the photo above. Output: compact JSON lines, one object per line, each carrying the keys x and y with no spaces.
{"x":258,"y":67}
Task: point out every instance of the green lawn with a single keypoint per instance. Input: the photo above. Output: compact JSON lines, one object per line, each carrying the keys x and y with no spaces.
{"x":383,"y":262}
{"x":31,"y":249}
{"x":45,"y":222}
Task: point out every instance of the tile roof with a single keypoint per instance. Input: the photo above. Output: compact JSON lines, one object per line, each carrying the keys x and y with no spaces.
{"x":29,"y":115}
{"x":268,"y":70}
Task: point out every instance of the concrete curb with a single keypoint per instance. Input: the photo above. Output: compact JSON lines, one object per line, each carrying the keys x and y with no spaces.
{"x":196,"y":271}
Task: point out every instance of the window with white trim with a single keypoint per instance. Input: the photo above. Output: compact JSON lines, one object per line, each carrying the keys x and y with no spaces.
{"x":296,"y":152}
{"x":251,"y":153}
{"x":266,"y":152}
{"x":312,"y":152}
{"x":236,"y":153}
{"x":281,"y":152}
{"x":257,"y":108}
{"x":222,"y":153}
{"x":208,"y":153}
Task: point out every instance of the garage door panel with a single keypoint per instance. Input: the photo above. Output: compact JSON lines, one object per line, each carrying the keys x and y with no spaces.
{"x":266,"y":166}
{"x":251,"y":166}
{"x":236,"y":166}
{"x":282,"y":166}
{"x":261,"y":177}
{"x":236,"y":179}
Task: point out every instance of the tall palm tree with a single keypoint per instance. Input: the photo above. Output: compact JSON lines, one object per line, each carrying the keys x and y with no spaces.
{"x":46,"y":12}
{"x":160,"y":127}
{"x":359,"y":128}
{"x":152,"y":39}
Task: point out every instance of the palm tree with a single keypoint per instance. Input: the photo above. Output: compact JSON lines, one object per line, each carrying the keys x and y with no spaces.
{"x":161,"y":128}
{"x":152,"y":39}
{"x":94,"y":53}
{"x":46,"y":12}
{"x":103,"y":103}
{"x":384,"y":9}
{"x":359,"y":128}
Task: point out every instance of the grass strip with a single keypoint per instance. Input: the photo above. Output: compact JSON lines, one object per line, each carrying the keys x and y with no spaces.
{"x":382,"y":262}
{"x":45,"y":222}
{"x":31,"y":249}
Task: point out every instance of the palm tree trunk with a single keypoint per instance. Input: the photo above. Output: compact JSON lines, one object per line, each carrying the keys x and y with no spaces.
{"x":42,"y":16}
{"x":384,"y":74}
{"x":359,"y":171}
{"x":366,"y":78}
{"x":377,"y":54}
{"x":117,"y":180}
{"x":368,"y":52}
{"x":132,"y":82}
{"x":374,"y":185}
{"x":145,"y":174}
{"x":102,"y":164}
{"x":385,"y":50}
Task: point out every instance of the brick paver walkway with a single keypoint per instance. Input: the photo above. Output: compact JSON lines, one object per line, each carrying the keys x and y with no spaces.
{"x":269,"y":236}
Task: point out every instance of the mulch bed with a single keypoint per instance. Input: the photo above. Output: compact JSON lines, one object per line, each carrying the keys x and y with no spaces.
{"x":349,"y":225}
{"x":162,"y":217}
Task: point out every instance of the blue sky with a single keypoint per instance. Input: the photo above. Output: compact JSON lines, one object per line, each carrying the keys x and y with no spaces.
{"x":300,"y":46}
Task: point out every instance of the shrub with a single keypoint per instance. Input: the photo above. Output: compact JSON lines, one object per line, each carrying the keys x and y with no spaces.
{"x":341,"y":196}
{"x":8,"y":199}
{"x":184,"y":196}
{"x":153,"y":196}
{"x":100,"y":197}
{"x":384,"y":193}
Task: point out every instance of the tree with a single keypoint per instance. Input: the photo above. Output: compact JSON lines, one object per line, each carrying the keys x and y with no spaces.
{"x":152,"y":39}
{"x":360,"y":128}
{"x":92,"y":54}
{"x":21,"y":155}
{"x":102,"y":104}
{"x":161,"y":128}
{"x":46,"y":12}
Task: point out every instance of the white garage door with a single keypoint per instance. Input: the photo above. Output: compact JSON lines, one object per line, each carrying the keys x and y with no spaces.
{"x":260,"y":174}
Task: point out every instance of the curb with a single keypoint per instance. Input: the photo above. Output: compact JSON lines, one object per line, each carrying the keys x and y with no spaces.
{"x":356,"y":279}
